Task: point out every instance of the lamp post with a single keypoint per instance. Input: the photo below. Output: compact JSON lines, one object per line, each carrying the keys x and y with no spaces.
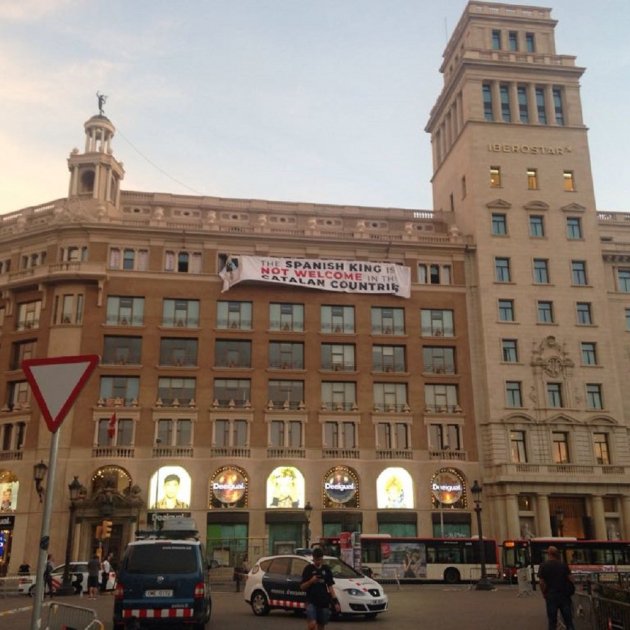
{"x":308,"y":509}
{"x":483,"y":584}
{"x":560,"y":522}
{"x":76,"y":492}
{"x":39,"y":472}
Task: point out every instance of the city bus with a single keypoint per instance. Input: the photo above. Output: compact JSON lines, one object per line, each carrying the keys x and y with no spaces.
{"x":583,"y":556}
{"x":450,"y":560}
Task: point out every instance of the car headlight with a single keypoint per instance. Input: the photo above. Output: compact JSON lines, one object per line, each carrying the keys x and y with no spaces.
{"x":355,"y":592}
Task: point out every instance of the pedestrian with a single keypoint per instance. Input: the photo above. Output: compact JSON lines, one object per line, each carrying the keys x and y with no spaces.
{"x":94,"y":571}
{"x":317,"y":581}
{"x":48,"y":580}
{"x":106,"y":567}
{"x":241,"y":572}
{"x":557,"y":588}
{"x":24,"y":568}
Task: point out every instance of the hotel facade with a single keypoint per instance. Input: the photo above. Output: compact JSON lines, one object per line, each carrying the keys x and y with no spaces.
{"x":285,"y":371}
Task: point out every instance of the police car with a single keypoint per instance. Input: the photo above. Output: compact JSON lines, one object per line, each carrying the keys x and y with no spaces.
{"x":274,"y":582}
{"x":78,"y":577}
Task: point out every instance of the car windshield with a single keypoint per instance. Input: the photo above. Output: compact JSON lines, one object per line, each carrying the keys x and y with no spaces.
{"x":161,"y":558}
{"x":340,"y":569}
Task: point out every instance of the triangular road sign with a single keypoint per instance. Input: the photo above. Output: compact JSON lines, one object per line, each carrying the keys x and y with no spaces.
{"x":56,"y":383}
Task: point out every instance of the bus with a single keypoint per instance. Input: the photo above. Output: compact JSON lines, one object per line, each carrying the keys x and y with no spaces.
{"x":450,"y":560}
{"x":582,"y":556}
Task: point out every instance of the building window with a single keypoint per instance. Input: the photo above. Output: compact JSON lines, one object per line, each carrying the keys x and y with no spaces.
{"x":495,"y":177}
{"x":488,"y":112}
{"x":12,"y":436}
{"x":230,"y":353}
{"x":392,"y":436}
{"x":438,"y":359}
{"x":114,"y":431}
{"x":541,"y":271}
{"x":389,"y":359}
{"x":339,"y":396}
{"x":388,"y":321}
{"x":230,"y":433}
{"x":557,"y":105}
{"x":506,"y":310}
{"x":341,"y":434}
{"x":21,"y":351}
{"x":574,"y":228}
{"x":523,"y":103}
{"x":434,"y":274}
{"x":73,"y":253}
{"x":390,"y":397}
{"x":578,"y":272}
{"x":554,"y":395}
{"x":68,"y":309}
{"x":288,"y":317}
{"x":121,"y":388}
{"x":128,"y":259}
{"x":119,"y":350}
{"x":504,"y":94}
{"x":589,"y":353}
{"x":284,"y":355}
{"x":171,"y":389}
{"x":499,"y":224}
{"x":234,"y":315}
{"x":337,"y":356}
{"x":594,"y":398}
{"x":19,"y":395}
{"x":441,"y":398}
{"x":627,"y":318}
{"x":536,"y":226}
{"x":530,"y":42}
{"x":560,"y":445}
{"x":532,"y":179}
{"x":600,"y":449}
{"x":513,"y":40}
{"x":518,"y":449}
{"x":437,"y":323}
{"x":173,"y":432}
{"x":623,"y":280}
{"x":232,"y":392}
{"x":583,"y":312}
{"x":28,"y":314}
{"x":180,"y":313}
{"x":509,"y":350}
{"x":182,"y":261}
{"x":286,"y":434}
{"x":337,"y":319}
{"x":502,"y":269}
{"x":569,"y":181}
{"x":513,"y":397}
{"x":178,"y":352}
{"x":285,"y":394}
{"x":445,"y":437}
{"x":496,"y":39}
{"x":540,"y":105}
{"x":125,"y":311}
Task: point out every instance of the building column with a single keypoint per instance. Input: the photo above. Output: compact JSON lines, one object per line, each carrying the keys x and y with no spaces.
{"x":625,"y":518}
{"x":543,"y":518}
{"x":531,"y":103}
{"x":512,"y":519}
{"x":514,"y":109}
{"x":599,"y":520}
{"x":549,"y":106}
{"x":496,"y":101}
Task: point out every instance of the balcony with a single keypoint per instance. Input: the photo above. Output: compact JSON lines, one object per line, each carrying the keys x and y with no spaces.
{"x":11,"y":456}
{"x":230,"y":451}
{"x":126,"y":452}
{"x":448,"y":455}
{"x":281,"y":452}
{"x":172,"y":451}
{"x":341,"y":453}
{"x":338,"y":367}
{"x":394,"y":453}
{"x":226,"y":324}
{"x":566,"y":472}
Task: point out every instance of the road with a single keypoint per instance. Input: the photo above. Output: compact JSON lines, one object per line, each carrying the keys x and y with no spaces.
{"x":429,"y":606}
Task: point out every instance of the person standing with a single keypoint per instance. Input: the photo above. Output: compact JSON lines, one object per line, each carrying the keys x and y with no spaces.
{"x":240,"y":573}
{"x":557,"y":588}
{"x":94,"y":570}
{"x":48,"y":580}
{"x":106,"y":567}
{"x":317,"y":581}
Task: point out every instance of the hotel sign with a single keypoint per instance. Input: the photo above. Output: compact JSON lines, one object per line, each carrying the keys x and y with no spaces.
{"x":529,"y":149}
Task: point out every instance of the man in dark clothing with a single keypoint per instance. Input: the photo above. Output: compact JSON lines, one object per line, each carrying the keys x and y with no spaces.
{"x":317,"y":581}
{"x":48,"y":580}
{"x":556,"y":585}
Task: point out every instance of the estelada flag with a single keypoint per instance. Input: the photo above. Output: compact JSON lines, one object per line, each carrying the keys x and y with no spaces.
{"x":111,"y":427}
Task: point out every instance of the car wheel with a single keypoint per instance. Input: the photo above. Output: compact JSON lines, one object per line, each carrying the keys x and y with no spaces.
{"x":260,"y":605}
{"x":451,"y":576}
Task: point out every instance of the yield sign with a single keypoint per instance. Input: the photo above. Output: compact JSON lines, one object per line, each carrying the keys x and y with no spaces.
{"x":56,"y":383}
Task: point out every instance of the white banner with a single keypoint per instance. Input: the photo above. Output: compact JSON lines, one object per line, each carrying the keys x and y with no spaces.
{"x":346,"y":276}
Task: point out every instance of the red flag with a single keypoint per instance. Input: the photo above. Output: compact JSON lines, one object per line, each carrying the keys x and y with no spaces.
{"x":111,"y":427}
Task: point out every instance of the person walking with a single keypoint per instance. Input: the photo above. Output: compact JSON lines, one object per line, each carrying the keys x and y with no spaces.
{"x":557,"y":588}
{"x":48,"y":580}
{"x":94,"y":570}
{"x":106,"y":567}
{"x":317,"y":581}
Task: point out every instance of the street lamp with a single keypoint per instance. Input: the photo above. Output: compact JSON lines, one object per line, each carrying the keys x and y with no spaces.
{"x":483,"y":584}
{"x":39,"y":472}
{"x":77,"y":492}
{"x":308,"y":509}
{"x":560,"y":522}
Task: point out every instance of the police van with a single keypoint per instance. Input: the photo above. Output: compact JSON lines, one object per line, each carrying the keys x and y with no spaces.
{"x":163,"y":580}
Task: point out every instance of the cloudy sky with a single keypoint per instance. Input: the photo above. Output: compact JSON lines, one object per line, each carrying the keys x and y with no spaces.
{"x":298,"y":100}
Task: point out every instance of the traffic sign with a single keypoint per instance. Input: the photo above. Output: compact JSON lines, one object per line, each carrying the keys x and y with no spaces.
{"x":56,"y":383}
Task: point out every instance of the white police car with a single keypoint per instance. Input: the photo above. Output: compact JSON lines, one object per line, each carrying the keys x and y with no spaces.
{"x":78,"y":577}
{"x":274,"y":582}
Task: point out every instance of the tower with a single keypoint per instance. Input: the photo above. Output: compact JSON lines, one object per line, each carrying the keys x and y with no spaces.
{"x":512,"y":169}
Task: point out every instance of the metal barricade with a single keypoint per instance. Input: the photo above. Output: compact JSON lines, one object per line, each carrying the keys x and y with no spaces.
{"x":68,"y":617}
{"x":10,"y":585}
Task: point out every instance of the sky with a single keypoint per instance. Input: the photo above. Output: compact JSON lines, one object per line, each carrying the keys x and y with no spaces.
{"x":320,"y":101}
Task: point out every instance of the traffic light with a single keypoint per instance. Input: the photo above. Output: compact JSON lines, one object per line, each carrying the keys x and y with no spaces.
{"x":107,"y":529}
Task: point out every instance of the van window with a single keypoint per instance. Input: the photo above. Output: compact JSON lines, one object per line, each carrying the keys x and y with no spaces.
{"x":160,"y":558}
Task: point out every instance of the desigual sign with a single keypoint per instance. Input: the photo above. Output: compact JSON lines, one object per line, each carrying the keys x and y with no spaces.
{"x":447,"y":487}
{"x":228,"y":486}
{"x":339,"y":486}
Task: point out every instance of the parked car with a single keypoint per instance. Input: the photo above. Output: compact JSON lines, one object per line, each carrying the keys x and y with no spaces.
{"x":78,"y":577}
{"x":274,"y":582}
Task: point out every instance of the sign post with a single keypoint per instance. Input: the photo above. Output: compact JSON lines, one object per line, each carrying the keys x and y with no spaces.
{"x":56,"y":383}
